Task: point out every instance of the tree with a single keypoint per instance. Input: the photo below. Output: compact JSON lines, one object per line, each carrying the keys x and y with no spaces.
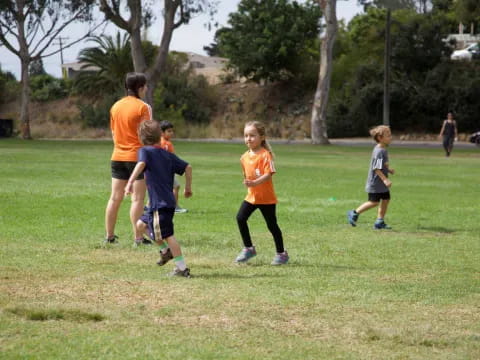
{"x":216,"y":48}
{"x":320,"y":102}
{"x":104,"y":65}
{"x":34,"y":24}
{"x":468,"y":11}
{"x":267,"y":38}
{"x":175,"y":14}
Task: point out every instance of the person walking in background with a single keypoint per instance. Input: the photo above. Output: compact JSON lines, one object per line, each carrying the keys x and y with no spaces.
{"x":166,"y":144}
{"x":449,"y":133}
{"x":125,"y":117}
{"x":258,"y":169}
{"x":378,"y":185}
{"x":160,"y":167}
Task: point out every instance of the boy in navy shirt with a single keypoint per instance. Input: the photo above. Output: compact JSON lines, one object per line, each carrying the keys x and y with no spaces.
{"x":160,"y":166}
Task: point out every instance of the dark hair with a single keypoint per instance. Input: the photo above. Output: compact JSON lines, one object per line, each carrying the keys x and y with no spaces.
{"x":149,"y":132}
{"x":165,"y":125}
{"x":133,"y":82}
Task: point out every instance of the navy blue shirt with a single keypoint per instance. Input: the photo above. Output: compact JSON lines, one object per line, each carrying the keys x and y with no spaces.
{"x":160,"y":168}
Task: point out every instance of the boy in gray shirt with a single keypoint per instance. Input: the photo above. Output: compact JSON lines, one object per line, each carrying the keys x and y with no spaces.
{"x":378,"y":185}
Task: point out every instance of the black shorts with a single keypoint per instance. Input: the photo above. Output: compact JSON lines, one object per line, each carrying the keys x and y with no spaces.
{"x":160,"y":223}
{"x":123,"y":169}
{"x":376,"y":197}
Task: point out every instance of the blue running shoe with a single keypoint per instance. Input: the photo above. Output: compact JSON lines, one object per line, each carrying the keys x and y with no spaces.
{"x":280,"y":259}
{"x":246,"y":254}
{"x":380,"y":225}
{"x":352,"y":217}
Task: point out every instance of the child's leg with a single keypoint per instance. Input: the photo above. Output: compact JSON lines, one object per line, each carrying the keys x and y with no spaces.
{"x":246,"y":209}
{"x":382,"y":210}
{"x":366,"y":206}
{"x":176,"y":253}
{"x":269,"y":214}
{"x":136,"y":208}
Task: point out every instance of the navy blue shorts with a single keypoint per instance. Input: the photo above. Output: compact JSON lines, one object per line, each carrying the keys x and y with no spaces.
{"x":123,"y":169}
{"x":159,"y":222}
{"x":376,"y":197}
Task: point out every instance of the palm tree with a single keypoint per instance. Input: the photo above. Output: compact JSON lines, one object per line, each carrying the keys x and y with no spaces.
{"x":104,"y":66}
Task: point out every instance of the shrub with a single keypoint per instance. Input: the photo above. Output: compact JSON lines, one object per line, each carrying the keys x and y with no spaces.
{"x":47,"y":88}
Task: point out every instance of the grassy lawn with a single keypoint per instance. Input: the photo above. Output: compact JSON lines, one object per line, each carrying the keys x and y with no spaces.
{"x":348,"y":293}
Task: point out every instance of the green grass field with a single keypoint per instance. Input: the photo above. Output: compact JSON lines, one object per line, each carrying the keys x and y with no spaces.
{"x":348,"y":293}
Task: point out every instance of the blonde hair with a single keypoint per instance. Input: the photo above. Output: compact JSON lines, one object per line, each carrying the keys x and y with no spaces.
{"x":149,"y":132}
{"x":261,"y":131}
{"x":380,"y":130}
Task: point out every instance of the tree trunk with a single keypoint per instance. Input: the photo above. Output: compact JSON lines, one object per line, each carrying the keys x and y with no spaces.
{"x":135,"y":25}
{"x":25,"y":102}
{"x":154,"y":72}
{"x":319,"y":110}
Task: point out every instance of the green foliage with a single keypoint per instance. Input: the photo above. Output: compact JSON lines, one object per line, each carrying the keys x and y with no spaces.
{"x":267,"y":39}
{"x":104,"y":66}
{"x":47,"y":88}
{"x":97,"y":114}
{"x":424,"y":86}
{"x":182,"y":91}
{"x":9,"y":87}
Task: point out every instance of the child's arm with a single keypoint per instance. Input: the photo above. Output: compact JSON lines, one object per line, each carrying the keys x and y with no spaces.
{"x":385,"y":180}
{"x":257,"y":181}
{"x":136,"y":171}
{"x":187,"y":192}
{"x":391,"y":171}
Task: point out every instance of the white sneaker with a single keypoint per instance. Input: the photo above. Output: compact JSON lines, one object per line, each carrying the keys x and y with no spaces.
{"x":180,"y":210}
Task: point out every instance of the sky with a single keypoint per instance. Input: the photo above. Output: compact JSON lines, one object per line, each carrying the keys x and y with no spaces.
{"x":188,"y":38}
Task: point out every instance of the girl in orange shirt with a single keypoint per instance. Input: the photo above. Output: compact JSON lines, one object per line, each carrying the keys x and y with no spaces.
{"x":125,"y":117}
{"x":258,"y":168}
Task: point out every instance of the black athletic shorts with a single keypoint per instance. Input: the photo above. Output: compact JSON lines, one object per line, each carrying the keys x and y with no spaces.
{"x":376,"y":197}
{"x":123,"y":169}
{"x":160,"y":223}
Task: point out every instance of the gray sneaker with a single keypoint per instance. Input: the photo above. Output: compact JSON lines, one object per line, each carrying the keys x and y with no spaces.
{"x":164,"y":258}
{"x":352,"y":217}
{"x":280,"y":259}
{"x":246,"y":254}
{"x":180,"y":210}
{"x":181,"y":273}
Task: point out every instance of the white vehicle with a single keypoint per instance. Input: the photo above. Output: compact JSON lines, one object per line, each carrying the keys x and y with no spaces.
{"x":470,"y":52}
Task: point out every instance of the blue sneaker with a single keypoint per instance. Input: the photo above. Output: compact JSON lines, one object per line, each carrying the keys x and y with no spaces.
{"x":246,"y":254}
{"x":380,"y":225}
{"x":280,"y":259}
{"x":352,"y":217}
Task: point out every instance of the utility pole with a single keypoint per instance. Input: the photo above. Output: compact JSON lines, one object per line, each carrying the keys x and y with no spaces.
{"x":60,"y":43}
{"x":386,"y":78}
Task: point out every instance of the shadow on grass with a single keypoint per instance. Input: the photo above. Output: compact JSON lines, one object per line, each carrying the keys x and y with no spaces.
{"x":236,"y":276}
{"x":438,"y":229}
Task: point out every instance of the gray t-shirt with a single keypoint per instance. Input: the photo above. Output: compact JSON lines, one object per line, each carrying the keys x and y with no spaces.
{"x":374,"y":182}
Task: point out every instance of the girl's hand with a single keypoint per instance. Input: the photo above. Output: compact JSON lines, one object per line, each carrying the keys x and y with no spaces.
{"x":187,"y":193}
{"x":387,"y":183}
{"x":391,"y":171}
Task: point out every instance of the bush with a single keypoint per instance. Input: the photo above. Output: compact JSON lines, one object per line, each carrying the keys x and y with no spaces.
{"x":47,"y":88}
{"x":9,"y":87}
{"x":97,"y":115}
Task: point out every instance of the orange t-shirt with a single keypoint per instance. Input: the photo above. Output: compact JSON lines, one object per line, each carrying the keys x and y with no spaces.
{"x":166,"y":145}
{"x":254,"y":166}
{"x":125,"y":116}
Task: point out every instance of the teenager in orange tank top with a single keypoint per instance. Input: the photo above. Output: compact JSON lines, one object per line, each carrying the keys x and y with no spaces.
{"x":125,"y":117}
{"x":258,"y":168}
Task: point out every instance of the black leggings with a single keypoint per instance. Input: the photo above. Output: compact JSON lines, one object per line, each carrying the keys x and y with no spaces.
{"x":268,"y":212}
